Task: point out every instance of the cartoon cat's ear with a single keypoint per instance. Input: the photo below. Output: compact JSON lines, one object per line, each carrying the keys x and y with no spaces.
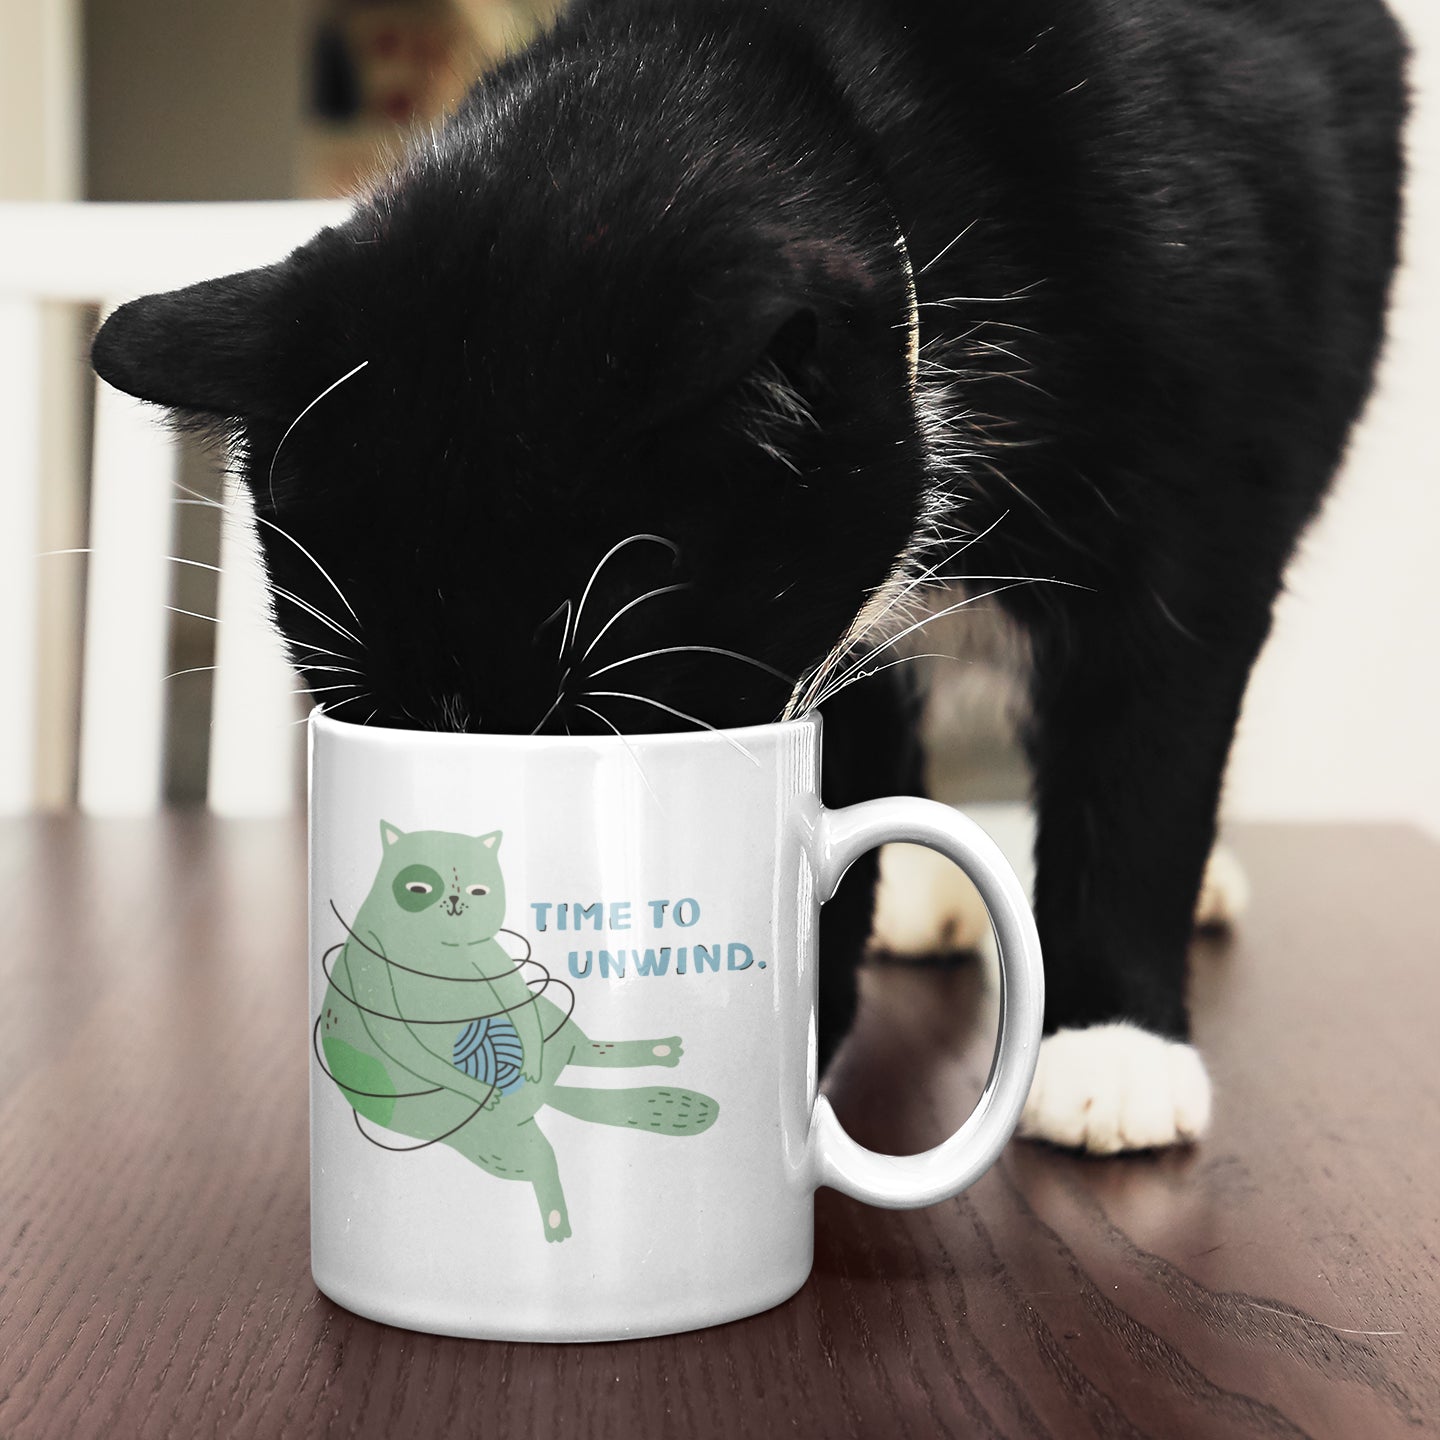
{"x":389,"y":833}
{"x":492,"y":840}
{"x":206,"y":349}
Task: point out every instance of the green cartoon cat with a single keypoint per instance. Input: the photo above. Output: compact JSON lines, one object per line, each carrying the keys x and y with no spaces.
{"x":429,"y":1028}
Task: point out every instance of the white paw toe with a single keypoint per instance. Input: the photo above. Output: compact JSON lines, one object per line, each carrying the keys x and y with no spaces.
{"x":1115,"y":1087}
{"x":925,"y":904}
{"x":1224,"y":891}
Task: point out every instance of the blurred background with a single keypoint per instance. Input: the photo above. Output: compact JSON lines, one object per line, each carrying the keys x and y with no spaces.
{"x":169,"y":100}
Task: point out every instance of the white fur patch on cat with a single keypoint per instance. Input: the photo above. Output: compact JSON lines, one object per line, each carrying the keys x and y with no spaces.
{"x":925,"y":904}
{"x":1116,"y":1087}
{"x":1224,"y":892}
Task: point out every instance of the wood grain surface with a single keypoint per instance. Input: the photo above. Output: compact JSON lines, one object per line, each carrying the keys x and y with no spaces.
{"x":1281,"y":1279}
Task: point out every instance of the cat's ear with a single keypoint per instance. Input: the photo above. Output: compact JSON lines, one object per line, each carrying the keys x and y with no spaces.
{"x":492,"y":840}
{"x":389,"y":833}
{"x":205,"y":349}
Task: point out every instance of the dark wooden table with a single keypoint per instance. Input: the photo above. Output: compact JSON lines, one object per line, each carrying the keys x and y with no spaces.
{"x":1280,"y":1279}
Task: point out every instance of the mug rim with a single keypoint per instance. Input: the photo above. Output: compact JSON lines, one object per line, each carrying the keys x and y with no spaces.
{"x":319,"y":722}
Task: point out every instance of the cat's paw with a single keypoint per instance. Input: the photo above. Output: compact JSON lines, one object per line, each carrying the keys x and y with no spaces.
{"x":925,"y":904}
{"x":667,"y":1051}
{"x":493,"y":1101}
{"x":557,"y":1225}
{"x":1115,"y":1087}
{"x":534,"y":1079}
{"x":1224,"y":891}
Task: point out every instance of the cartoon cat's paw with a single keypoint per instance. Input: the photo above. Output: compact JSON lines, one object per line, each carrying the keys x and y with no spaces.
{"x":494,"y":1100}
{"x":534,"y":1079}
{"x":557,"y":1225}
{"x":667,"y":1051}
{"x":1116,"y":1087}
{"x":925,"y":904}
{"x":1224,"y":891}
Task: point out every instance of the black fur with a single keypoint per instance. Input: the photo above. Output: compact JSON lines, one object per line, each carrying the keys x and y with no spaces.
{"x":648,"y":282}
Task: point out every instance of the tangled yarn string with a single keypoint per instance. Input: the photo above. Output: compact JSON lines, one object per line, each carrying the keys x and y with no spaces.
{"x":487,"y":1046}
{"x":490,"y":1051}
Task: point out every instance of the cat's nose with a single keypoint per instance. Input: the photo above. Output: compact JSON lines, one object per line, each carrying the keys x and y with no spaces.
{"x":454,"y":904}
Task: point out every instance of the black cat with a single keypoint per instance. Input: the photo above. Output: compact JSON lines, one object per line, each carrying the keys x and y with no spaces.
{"x":692,"y":350}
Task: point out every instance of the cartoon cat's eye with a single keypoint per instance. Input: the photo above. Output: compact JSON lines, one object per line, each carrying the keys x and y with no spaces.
{"x":477,"y":890}
{"x":417,"y":888}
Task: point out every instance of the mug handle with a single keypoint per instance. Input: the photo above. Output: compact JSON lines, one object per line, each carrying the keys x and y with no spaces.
{"x":899,"y":1182}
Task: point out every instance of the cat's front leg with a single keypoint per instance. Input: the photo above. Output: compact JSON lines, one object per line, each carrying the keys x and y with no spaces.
{"x":1130,"y":730}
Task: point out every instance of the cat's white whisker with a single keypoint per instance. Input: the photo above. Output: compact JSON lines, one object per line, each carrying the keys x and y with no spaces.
{"x":337,"y":670}
{"x":559,"y":701}
{"x":573,"y":633}
{"x":285,"y":534}
{"x":929,"y":571}
{"x":930,"y":620}
{"x":215,"y":570}
{"x":670,"y":710}
{"x":951,"y":301}
{"x":941,"y":254}
{"x":989,"y":324}
{"x":318,"y":614}
{"x":805,"y":695}
{"x":1017,"y":376}
{"x":193,"y":670}
{"x":195,"y":614}
{"x":329,"y":707}
{"x":630,"y":749}
{"x":845,"y":681}
{"x":195,"y":564}
{"x":312,"y":649}
{"x":639,"y":600}
{"x":197,"y":499}
{"x":334,"y":385}
{"x":568,"y":606}
{"x":703,"y":649}
{"x":280,"y":590}
{"x":322,"y":689}
{"x":866,"y":657}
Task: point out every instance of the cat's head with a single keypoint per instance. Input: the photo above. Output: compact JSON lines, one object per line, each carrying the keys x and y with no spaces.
{"x":436,"y":893}
{"x":604,"y":369}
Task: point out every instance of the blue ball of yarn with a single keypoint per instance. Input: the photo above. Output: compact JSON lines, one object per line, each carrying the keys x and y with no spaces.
{"x":489,"y":1050}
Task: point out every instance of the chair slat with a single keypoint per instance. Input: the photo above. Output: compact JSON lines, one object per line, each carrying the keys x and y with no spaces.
{"x":109,"y":252}
{"x":20,"y":481}
{"x":254,"y":744}
{"x":90,"y":252}
{"x":127,"y":624}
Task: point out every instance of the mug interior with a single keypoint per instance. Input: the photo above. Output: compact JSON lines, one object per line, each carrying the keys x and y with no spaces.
{"x":386,"y":734}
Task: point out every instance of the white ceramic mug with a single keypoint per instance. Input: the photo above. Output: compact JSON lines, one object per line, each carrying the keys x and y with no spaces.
{"x":563,"y":1000}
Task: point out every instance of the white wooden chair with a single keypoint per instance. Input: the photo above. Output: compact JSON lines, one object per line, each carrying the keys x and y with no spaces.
{"x":89,"y":254}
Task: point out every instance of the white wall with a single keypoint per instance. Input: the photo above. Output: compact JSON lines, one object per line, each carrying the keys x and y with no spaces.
{"x":1343,"y":716}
